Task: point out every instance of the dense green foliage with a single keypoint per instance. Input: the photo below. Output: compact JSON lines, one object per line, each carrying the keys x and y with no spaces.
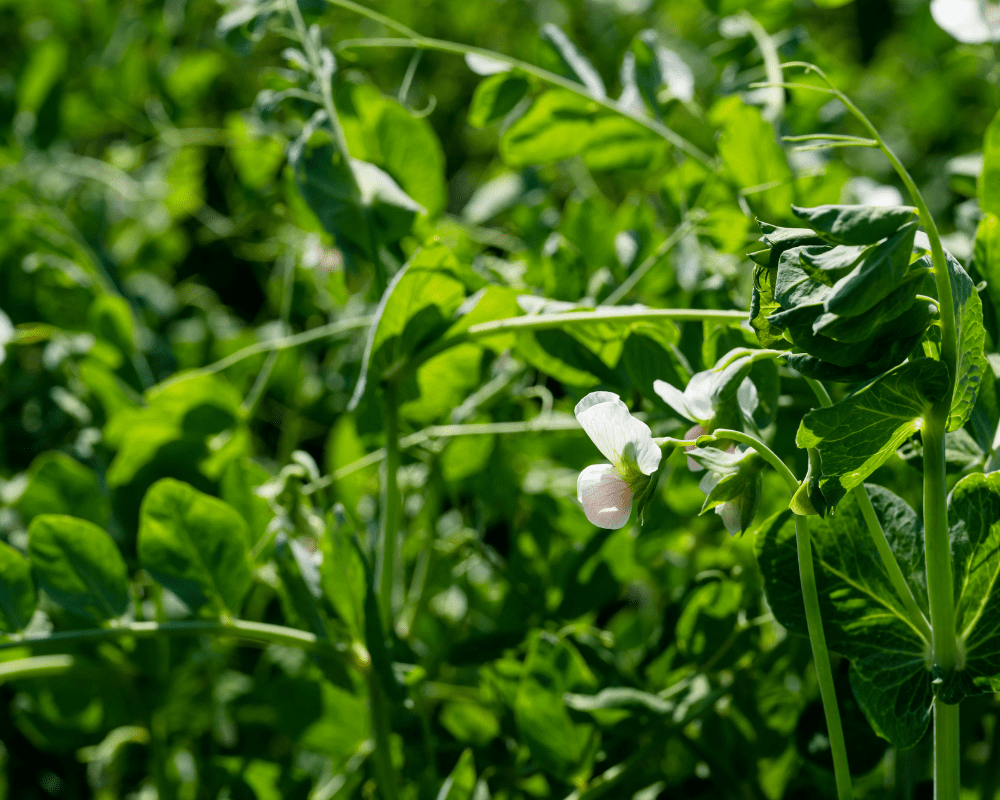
{"x":295,"y":310}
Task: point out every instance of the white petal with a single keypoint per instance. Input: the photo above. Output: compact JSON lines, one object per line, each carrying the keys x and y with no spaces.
{"x":674,"y":398}
{"x":605,"y":495}
{"x":964,"y":20}
{"x":622,"y":439}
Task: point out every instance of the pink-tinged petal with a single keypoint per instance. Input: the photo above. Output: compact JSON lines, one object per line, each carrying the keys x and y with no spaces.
{"x":693,"y":433}
{"x":622,"y":439}
{"x":730,"y":513}
{"x":605,"y":495}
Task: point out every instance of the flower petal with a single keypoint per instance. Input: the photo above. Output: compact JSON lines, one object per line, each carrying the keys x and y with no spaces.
{"x":605,"y":495}
{"x":694,"y":433}
{"x":731,"y":517}
{"x":622,"y":439}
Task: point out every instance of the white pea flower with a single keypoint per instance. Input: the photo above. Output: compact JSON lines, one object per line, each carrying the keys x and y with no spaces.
{"x":607,"y":490}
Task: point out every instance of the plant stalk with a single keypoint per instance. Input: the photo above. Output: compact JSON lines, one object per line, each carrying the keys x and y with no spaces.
{"x":381,"y":731}
{"x":941,"y":594}
{"x":386,"y":561}
{"x":821,"y":657}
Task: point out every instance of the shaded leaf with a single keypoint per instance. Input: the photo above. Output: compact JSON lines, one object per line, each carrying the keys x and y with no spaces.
{"x":853,"y":225}
{"x":195,"y":545}
{"x":78,"y":565}
{"x":17,"y":590}
{"x":495,"y":97}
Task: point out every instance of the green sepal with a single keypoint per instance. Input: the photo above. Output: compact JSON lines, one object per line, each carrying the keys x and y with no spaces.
{"x":808,"y":499}
{"x":852,"y":224}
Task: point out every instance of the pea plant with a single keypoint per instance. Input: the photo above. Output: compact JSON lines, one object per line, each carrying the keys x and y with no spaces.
{"x":429,"y":608}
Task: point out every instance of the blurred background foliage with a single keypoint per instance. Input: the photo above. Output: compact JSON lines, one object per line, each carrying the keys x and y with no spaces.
{"x":158,"y":214}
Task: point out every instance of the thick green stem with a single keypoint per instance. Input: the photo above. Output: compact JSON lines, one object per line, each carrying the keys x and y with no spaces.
{"x":941,"y":594}
{"x":821,"y":657}
{"x":390,"y":506}
{"x":947,"y":756}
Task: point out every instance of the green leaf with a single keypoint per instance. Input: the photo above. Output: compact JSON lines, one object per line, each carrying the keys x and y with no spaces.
{"x":864,"y":326}
{"x":989,"y":179}
{"x":855,"y":225}
{"x":987,"y":260}
{"x":17,"y":590}
{"x":552,"y":668}
{"x":176,"y":425}
{"x":974,"y":519}
{"x":461,"y":782}
{"x":78,"y":565}
{"x":753,"y":159}
{"x":863,"y":618}
{"x":828,"y":265}
{"x":881,"y":272}
{"x":858,"y":434}
{"x":59,"y":484}
{"x":972,"y":365}
{"x":195,"y":545}
{"x":416,"y":308}
{"x":793,"y":287}
{"x":495,"y":97}
{"x":561,"y":124}
{"x":571,"y":62}
{"x":109,"y":318}
{"x":762,"y":306}
{"x":657,"y":67}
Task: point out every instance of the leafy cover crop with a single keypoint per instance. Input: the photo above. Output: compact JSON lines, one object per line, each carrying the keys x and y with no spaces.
{"x":316,"y":319}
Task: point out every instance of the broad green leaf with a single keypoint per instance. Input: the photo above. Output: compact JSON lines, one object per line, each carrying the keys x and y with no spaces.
{"x":855,"y":225}
{"x":864,"y":326}
{"x":863,"y":618}
{"x":974,"y":519}
{"x":561,"y":124}
{"x":416,"y":308}
{"x":762,"y":306}
{"x":793,"y":287}
{"x":109,"y":318}
{"x":989,"y":179}
{"x":78,"y":565}
{"x":461,"y":782}
{"x":829,"y":265}
{"x":753,"y":159}
{"x":442,"y":382}
{"x":881,"y":272}
{"x":573,"y":63}
{"x":495,"y":97}
{"x":858,"y":434}
{"x":383,"y":133}
{"x":17,"y":590}
{"x":552,"y":668}
{"x":972,"y":364}
{"x":59,"y":484}
{"x":195,"y":545}
{"x":176,"y":425}
{"x":799,"y":323}
{"x":782,"y":239}
{"x":987,"y":258}
{"x":886,"y":353}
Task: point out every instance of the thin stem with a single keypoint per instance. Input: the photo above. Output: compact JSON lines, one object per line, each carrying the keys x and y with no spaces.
{"x":35,"y":667}
{"x":766,"y":452}
{"x":257,"y":632}
{"x":821,"y":657}
{"x":949,"y":347}
{"x":388,"y":784}
{"x":416,"y":40}
{"x":833,"y":137}
{"x":287,"y":286}
{"x":390,"y":505}
{"x":774,"y":110}
{"x":272,"y":345}
{"x":538,"y":322}
{"x":892,"y":568}
{"x":639,"y":272}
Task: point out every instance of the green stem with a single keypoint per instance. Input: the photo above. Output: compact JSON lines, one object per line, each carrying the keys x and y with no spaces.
{"x":381,"y":730}
{"x":35,"y":667}
{"x":390,"y":506}
{"x":947,"y":756}
{"x":892,"y":568}
{"x":538,"y":322}
{"x":416,"y":40}
{"x":261,"y":633}
{"x":821,"y":657}
{"x":766,"y":452}
{"x":941,"y":594}
{"x":814,"y":620}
